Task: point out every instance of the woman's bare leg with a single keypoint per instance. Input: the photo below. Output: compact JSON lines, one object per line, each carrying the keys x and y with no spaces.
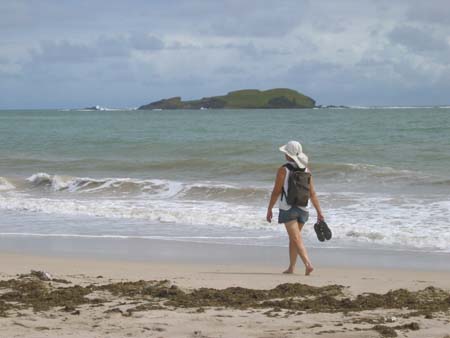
{"x":295,"y":237}
{"x":292,"y":257}
{"x":293,"y":253}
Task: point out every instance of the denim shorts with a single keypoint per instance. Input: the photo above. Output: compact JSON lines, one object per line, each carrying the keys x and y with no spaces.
{"x":294,"y":213}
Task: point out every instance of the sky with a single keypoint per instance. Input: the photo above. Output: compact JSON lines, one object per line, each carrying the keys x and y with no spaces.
{"x":67,"y":54}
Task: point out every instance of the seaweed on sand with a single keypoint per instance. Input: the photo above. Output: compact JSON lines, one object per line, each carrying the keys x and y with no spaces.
{"x":429,"y":299}
{"x":385,"y":331}
{"x":156,"y":289}
{"x":242,"y":298}
{"x":39,"y":295}
{"x":42,"y":295}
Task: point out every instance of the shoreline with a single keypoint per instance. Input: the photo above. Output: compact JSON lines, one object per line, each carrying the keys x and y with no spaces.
{"x":171,"y":251}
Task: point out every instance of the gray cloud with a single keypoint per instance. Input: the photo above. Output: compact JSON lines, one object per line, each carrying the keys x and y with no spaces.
{"x":63,"y":51}
{"x":104,"y":46}
{"x":311,"y":72}
{"x":115,"y":46}
{"x":143,"y":41}
{"x":432,"y":11}
{"x":417,"y":39}
{"x":250,"y":18}
{"x":253,"y":50}
{"x":263,"y":24}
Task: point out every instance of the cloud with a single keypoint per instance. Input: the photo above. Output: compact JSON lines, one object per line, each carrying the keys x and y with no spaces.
{"x":235,"y":18}
{"x":63,"y":51}
{"x":103,"y":47}
{"x":262,"y":24}
{"x":417,"y":39}
{"x":431,"y":12}
{"x":144,"y":41}
{"x":111,"y":46}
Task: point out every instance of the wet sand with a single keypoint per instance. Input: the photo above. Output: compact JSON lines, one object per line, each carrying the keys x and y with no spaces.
{"x":110,"y":297}
{"x":163,"y":251}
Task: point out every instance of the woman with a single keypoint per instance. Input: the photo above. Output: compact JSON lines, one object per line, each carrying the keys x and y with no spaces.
{"x":293,"y":217}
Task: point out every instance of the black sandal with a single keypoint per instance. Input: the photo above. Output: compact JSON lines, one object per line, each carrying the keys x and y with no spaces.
{"x":323,"y":232}
{"x":319,"y":233}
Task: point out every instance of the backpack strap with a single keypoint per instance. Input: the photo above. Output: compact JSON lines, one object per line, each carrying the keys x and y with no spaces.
{"x":289,"y":167}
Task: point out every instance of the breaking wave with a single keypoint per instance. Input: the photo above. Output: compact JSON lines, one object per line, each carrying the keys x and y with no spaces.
{"x":157,"y":187}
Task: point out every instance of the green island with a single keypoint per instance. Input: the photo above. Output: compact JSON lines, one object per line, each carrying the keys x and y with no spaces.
{"x":239,"y":99}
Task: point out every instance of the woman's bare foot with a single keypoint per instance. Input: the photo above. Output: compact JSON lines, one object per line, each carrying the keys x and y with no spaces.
{"x":289,"y":271}
{"x":308,"y":270}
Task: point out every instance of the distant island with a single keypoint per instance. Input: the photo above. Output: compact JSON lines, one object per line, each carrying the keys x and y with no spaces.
{"x":239,"y":99}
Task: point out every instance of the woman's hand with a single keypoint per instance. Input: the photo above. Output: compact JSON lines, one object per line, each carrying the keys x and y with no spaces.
{"x":276,"y":192}
{"x":315,"y":202}
{"x":269,"y":215}
{"x":320,"y":217}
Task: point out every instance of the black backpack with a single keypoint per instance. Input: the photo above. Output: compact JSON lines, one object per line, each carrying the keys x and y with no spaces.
{"x":298,"y":186}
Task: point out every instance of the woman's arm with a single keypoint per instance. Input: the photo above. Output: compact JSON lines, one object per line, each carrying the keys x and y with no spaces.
{"x":277,"y":189}
{"x":315,"y":201}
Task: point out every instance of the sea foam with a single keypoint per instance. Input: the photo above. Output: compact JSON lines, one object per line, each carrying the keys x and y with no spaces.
{"x":395,"y":221}
{"x":5,"y":184}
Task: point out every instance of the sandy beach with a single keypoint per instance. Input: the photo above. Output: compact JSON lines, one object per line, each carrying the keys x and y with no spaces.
{"x":114,"y":297}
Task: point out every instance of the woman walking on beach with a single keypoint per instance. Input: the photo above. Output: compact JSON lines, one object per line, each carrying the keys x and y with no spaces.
{"x":294,"y":216}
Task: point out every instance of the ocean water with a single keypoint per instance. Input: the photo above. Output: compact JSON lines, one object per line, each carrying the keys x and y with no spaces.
{"x":382,"y":174}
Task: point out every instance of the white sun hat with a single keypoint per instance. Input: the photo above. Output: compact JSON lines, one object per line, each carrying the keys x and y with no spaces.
{"x":295,"y":151}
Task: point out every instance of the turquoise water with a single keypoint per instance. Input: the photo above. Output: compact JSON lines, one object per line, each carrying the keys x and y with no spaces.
{"x":382,"y":174}
{"x":174,"y":142}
